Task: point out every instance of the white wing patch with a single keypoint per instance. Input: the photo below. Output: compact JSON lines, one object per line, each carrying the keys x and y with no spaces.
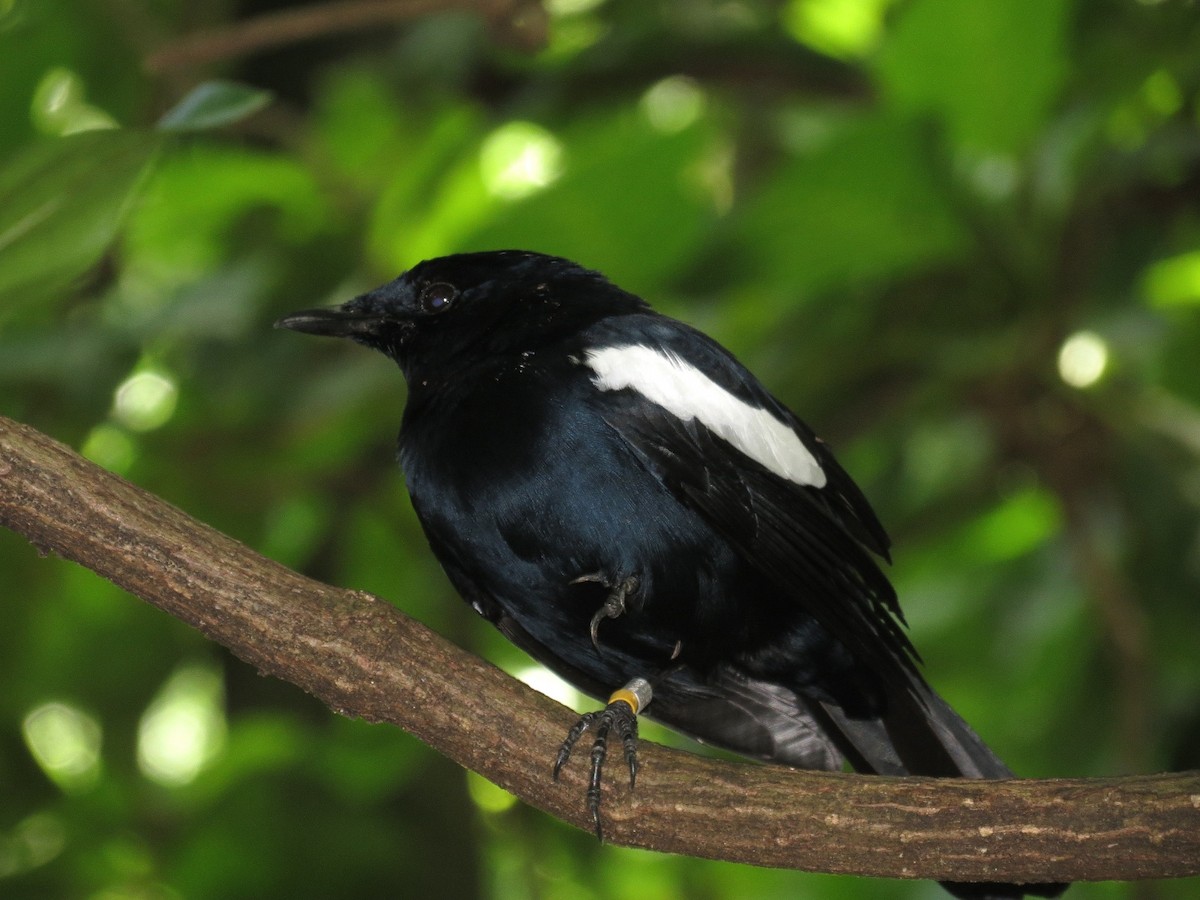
{"x":686,"y":392}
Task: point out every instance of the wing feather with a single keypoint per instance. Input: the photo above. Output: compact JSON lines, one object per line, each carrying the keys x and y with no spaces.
{"x":791,"y":533}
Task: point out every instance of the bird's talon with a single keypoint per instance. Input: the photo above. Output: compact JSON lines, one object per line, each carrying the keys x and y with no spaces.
{"x":614,"y":603}
{"x":594,"y":628}
{"x":620,"y":713}
{"x":573,"y":736}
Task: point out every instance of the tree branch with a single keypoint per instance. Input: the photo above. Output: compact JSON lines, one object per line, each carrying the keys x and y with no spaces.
{"x":521,"y":20}
{"x":364,"y":658}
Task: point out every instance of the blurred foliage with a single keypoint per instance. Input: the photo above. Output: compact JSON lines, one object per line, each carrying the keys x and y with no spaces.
{"x":962,"y":239}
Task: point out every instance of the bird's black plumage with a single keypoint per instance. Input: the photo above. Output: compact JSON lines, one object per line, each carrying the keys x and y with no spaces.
{"x":622,"y":498}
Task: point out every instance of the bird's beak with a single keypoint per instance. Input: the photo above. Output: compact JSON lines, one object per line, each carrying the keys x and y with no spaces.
{"x":334,"y":321}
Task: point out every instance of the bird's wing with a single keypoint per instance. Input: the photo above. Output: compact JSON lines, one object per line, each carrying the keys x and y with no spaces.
{"x":790,"y":533}
{"x":693,"y":375}
{"x":728,"y":709}
{"x":706,"y":428}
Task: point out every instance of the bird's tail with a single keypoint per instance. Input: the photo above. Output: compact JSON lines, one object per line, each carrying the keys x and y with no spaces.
{"x":920,"y":734}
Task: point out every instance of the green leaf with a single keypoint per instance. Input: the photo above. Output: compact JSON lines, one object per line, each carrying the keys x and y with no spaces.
{"x":990,"y":71}
{"x":182,"y":227}
{"x":865,"y":207}
{"x":1018,"y":524}
{"x":214,"y":104}
{"x":61,"y":202}
{"x":1174,"y":282}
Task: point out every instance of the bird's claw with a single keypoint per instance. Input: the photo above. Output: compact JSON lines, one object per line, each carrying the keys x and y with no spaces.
{"x":621,"y":714}
{"x":614,"y":603}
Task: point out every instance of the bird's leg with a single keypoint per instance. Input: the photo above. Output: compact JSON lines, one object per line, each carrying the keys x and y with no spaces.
{"x":614,"y":603}
{"x":621,"y":713}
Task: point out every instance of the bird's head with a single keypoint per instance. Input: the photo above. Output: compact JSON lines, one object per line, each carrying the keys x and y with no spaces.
{"x":470,"y":306}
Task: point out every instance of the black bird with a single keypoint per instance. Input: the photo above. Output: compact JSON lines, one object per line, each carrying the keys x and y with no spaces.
{"x":629,"y":505}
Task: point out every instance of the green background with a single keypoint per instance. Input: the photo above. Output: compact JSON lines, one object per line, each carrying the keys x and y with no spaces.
{"x":962,"y":239}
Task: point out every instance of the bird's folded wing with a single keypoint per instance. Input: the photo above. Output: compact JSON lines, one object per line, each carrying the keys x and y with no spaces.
{"x":795,"y":535}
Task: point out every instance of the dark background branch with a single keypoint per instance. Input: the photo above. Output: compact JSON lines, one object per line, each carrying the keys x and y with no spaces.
{"x":364,"y":658}
{"x":517,"y":20}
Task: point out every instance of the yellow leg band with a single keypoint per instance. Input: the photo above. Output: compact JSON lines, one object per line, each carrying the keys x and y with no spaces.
{"x":636,"y":693}
{"x":628,"y":696}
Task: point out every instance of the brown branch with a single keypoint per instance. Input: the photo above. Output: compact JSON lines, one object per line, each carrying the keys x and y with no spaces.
{"x":364,"y":658}
{"x":520,"y":20}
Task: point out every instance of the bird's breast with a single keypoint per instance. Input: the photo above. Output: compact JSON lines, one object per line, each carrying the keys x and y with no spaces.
{"x":524,"y":492}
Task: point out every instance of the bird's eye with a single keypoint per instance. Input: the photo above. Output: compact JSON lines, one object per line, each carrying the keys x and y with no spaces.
{"x":438,"y":297}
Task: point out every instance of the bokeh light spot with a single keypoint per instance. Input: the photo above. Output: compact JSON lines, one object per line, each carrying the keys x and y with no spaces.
{"x":546,"y":682}
{"x":673,"y":104}
{"x":65,"y":742}
{"x":846,"y":29}
{"x":487,"y":796}
{"x":1082,"y":359}
{"x":519,"y":159}
{"x":183,"y":728}
{"x":145,"y":401}
{"x":109,"y":446}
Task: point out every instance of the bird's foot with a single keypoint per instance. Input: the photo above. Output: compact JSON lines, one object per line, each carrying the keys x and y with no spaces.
{"x":614,"y":603}
{"x":621,"y":714}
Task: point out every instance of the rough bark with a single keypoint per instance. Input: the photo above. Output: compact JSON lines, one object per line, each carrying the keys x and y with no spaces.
{"x":365,"y":658}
